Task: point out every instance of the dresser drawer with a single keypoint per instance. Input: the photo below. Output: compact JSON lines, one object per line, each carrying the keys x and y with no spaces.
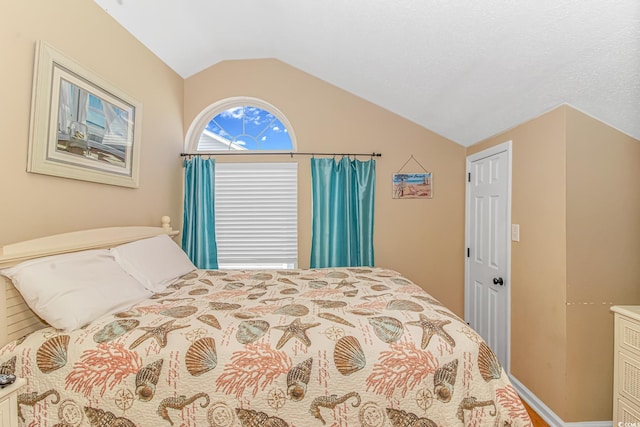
{"x":628,"y":335}
{"x":626,"y":413}
{"x":629,"y":377}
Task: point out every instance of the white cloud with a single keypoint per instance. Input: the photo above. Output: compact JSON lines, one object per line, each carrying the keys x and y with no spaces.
{"x":236,"y":113}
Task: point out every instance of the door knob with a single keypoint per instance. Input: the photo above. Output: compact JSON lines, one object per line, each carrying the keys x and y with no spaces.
{"x":498,"y":281}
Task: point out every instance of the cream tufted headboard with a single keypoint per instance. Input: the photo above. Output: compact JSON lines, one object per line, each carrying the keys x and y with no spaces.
{"x":16,"y":318}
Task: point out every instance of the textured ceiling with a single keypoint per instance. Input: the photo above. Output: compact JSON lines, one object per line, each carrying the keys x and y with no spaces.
{"x":465,"y":69}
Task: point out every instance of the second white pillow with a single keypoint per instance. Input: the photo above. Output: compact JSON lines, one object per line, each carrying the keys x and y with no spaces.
{"x":155,"y":262}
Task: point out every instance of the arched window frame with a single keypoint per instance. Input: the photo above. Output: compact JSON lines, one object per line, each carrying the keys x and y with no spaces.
{"x":202,"y":120}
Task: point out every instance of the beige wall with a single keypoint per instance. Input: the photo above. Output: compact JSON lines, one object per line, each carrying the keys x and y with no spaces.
{"x":422,"y":238}
{"x":577,"y":200}
{"x":34,"y":205}
{"x":603,"y":255}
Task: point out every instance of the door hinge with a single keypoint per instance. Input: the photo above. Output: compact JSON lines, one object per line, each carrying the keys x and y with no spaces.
{"x":469,"y":177}
{"x":468,"y":252}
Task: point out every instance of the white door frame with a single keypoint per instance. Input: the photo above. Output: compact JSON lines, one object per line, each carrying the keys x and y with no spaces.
{"x":505,"y":146}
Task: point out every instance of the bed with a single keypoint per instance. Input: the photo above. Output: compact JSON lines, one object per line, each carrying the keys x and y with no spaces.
{"x":337,"y":347}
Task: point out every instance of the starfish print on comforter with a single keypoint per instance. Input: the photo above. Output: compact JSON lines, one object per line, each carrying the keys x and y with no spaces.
{"x":431,"y":327}
{"x":159,"y":333}
{"x":295,"y":329}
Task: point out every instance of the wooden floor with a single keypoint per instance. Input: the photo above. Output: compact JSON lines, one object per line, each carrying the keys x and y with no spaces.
{"x":535,"y":418}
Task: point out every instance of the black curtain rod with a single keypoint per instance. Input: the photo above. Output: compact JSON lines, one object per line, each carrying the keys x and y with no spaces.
{"x":292,"y":153}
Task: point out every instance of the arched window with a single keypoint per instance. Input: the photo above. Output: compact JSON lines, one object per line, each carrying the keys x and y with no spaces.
{"x":241,"y":124}
{"x":255,"y":203}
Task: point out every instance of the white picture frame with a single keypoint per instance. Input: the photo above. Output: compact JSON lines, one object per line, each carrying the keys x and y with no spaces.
{"x":81,"y":126}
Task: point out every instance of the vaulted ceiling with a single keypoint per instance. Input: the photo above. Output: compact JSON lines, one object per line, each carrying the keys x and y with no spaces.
{"x":466,"y":69}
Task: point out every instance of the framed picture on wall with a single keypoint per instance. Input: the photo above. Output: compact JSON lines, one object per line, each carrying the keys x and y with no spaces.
{"x":412,"y":185}
{"x":81,"y":127}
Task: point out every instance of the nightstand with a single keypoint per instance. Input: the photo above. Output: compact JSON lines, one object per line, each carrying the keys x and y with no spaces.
{"x":9,"y":403}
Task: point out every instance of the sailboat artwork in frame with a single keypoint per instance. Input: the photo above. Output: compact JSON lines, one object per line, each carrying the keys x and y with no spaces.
{"x":412,"y":185}
{"x":82,"y":127}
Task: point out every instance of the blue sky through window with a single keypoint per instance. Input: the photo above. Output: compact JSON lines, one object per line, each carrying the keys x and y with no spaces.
{"x":252,"y":128}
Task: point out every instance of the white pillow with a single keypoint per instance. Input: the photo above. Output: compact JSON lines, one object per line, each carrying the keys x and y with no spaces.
{"x":70,"y":290}
{"x":155,"y":262}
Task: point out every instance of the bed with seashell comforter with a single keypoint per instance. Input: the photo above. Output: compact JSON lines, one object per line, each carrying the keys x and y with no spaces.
{"x":336,"y":347}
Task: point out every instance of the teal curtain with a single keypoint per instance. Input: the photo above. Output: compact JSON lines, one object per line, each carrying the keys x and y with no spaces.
{"x":343,"y":205}
{"x":199,"y":225}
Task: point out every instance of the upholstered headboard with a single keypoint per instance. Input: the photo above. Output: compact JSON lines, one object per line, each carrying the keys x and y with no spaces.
{"x":16,"y":318}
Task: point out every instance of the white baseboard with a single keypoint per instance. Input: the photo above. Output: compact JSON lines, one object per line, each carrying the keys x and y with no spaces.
{"x":546,"y":413}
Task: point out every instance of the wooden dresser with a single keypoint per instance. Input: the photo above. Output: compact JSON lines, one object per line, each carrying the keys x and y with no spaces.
{"x":626,"y":365}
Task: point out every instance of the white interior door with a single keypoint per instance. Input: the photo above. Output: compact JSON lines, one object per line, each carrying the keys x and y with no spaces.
{"x":488,"y":213}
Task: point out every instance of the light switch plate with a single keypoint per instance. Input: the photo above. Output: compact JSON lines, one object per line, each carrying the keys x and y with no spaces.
{"x":515,"y":232}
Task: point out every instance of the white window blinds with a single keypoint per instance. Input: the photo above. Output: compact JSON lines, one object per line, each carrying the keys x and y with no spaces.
{"x":256,"y":208}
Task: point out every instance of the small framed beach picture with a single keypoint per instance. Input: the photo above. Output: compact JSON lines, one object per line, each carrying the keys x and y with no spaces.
{"x":412,"y":185}
{"x":82,"y":127}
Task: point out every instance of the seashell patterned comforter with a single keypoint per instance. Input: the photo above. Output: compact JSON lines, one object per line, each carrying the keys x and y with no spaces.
{"x":360,"y":347}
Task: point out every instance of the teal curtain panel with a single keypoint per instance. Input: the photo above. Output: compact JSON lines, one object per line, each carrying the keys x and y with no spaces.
{"x":343,"y":212}
{"x":199,"y":229}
